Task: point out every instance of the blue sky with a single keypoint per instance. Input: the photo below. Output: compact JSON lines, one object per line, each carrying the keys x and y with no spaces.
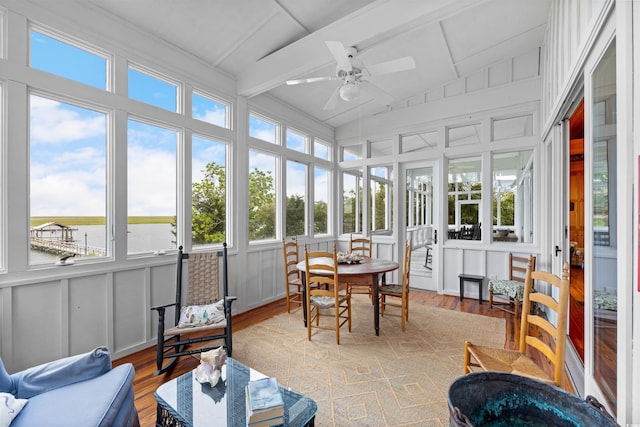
{"x":68,"y":143}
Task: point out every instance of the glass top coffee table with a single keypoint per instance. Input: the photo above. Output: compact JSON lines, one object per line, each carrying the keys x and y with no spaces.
{"x":183,"y":401}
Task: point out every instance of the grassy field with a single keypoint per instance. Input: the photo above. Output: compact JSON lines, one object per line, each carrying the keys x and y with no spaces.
{"x":98,"y":220}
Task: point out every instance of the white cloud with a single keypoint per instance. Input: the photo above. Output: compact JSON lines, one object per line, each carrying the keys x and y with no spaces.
{"x":51,"y":122}
{"x":152,"y":182}
{"x":71,"y":193}
{"x":216,"y":117}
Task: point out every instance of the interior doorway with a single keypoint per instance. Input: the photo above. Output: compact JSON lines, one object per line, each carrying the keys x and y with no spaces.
{"x":576,"y":228}
{"x":421,"y":219}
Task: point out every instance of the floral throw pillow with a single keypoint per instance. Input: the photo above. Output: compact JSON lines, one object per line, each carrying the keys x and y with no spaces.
{"x":200,"y":315}
{"x":10,"y":407}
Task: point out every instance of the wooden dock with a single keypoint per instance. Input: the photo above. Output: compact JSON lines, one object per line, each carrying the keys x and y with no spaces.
{"x":65,"y":248}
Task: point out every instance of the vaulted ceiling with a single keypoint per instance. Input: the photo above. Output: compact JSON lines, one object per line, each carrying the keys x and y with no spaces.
{"x":264,"y":43}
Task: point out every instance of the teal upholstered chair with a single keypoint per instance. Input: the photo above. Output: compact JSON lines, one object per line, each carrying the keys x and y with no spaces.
{"x":512,"y":289}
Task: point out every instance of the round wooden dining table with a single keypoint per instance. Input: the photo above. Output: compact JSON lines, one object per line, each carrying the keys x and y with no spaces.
{"x":368,"y":270}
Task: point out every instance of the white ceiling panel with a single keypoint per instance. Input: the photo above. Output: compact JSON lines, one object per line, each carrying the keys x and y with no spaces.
{"x":490,"y":24}
{"x":263,"y":43}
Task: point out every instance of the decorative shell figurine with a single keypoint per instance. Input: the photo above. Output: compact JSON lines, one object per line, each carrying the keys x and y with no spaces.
{"x":348,"y":258}
{"x":210,"y":365}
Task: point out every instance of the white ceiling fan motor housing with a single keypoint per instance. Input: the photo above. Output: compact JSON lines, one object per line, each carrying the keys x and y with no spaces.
{"x":356,"y":64}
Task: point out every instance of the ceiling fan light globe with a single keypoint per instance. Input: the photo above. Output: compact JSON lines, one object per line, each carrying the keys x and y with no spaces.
{"x":349,"y":92}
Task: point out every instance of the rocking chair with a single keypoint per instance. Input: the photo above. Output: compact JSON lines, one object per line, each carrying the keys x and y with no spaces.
{"x":201,"y":316}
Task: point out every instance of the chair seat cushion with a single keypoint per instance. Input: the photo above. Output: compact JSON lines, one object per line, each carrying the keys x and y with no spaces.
{"x":326,"y":302}
{"x":201,"y":315}
{"x":181,"y":331}
{"x":395,"y":290}
{"x":511,"y":288}
{"x":510,"y":361}
{"x":106,"y":400}
{"x":605,"y":300}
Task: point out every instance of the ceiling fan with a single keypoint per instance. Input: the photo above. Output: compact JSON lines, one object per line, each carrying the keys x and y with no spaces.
{"x":351,"y":70}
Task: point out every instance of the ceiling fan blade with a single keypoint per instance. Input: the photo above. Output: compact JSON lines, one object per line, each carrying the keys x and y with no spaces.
{"x":332,"y":102}
{"x":339,"y":54}
{"x":380,"y":95}
{"x":310,"y":80}
{"x":395,"y":65}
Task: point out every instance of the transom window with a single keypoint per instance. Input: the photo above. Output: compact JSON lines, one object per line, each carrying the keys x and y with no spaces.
{"x":262,"y":128}
{"x":66,"y":59}
{"x":151,"y":89}
{"x":297,"y":141}
{"x":321,"y":149}
{"x":210,"y":110}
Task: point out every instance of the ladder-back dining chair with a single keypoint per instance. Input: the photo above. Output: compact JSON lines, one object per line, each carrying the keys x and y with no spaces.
{"x":293,"y":283}
{"x":512,"y":288}
{"x":361,"y":246}
{"x":321,"y":268}
{"x":398,"y":294}
{"x":202,"y":314}
{"x":533,"y":328}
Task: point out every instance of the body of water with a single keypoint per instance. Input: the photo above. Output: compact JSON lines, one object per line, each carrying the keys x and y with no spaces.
{"x":141,"y":238}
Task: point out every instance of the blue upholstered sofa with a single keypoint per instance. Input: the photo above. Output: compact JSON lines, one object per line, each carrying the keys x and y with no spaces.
{"x":80,"y":390}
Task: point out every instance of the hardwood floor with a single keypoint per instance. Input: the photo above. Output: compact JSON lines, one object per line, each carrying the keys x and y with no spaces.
{"x":145,"y":383}
{"x":576,"y":310}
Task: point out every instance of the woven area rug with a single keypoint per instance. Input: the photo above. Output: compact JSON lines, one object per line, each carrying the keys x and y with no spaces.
{"x":394,"y":379}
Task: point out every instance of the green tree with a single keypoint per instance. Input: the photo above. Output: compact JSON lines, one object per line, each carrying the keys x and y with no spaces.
{"x":209,"y":198}
{"x":295,"y":215}
{"x":320,"y":212}
{"x":209,"y":206}
{"x":262,"y":205}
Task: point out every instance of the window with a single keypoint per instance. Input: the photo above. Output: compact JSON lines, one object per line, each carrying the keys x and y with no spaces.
{"x":66,"y":60}
{"x":464,"y":135}
{"x":321,"y":193}
{"x":296,"y":141}
{"x":152,"y":187}
{"x":208,"y":191}
{"x":296,"y":199}
{"x":210,"y":110}
{"x":419,"y":142}
{"x":381,"y":192}
{"x":353,"y":152}
{"x":152,"y":90}
{"x":465,"y":198}
{"x":262,"y":195}
{"x":380,"y":148}
{"x":513,"y":127}
{"x":603,"y":259}
{"x":419,"y":197}
{"x":68,"y":185}
{"x":261,"y":128}
{"x":513,"y":197}
{"x":321,"y":149}
{"x":351,"y":202}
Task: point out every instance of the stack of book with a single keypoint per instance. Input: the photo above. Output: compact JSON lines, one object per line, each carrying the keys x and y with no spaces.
{"x":265,"y":406}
